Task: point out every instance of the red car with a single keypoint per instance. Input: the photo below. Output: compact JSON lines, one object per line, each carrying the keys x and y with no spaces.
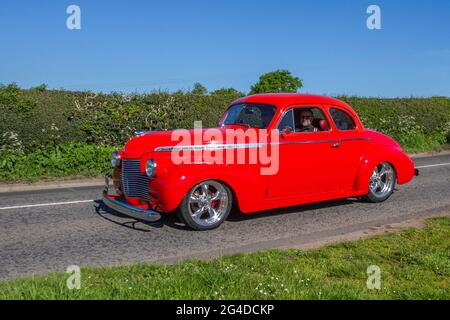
{"x":267,"y":151}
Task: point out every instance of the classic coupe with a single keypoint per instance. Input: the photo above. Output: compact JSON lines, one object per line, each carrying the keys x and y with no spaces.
{"x":268,"y":151}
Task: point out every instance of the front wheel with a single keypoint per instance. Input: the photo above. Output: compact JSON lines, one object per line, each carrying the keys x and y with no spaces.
{"x":382,"y":183}
{"x":206,"y":205}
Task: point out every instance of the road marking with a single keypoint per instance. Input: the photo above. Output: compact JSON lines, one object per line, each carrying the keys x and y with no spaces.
{"x":45,"y":204}
{"x":434,"y":165}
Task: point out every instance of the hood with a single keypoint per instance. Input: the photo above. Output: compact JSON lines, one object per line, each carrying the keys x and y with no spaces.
{"x":149,"y":141}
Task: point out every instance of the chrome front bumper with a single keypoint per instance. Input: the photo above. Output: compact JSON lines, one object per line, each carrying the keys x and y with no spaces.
{"x":127,"y":209}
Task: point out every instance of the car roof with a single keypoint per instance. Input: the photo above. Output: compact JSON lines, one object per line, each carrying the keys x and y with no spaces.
{"x":282,"y":99}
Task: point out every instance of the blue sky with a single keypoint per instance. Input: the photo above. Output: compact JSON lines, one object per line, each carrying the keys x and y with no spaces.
{"x":145,"y":45}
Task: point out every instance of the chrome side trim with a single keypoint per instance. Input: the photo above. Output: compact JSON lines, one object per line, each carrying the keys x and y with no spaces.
{"x":356,"y":139}
{"x":248,"y":145}
{"x":210,"y":147}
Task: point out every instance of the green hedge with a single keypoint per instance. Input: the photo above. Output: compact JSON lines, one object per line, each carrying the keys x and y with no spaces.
{"x":418,"y":124}
{"x":37,"y":118}
{"x":33,"y":119}
{"x":73,"y":159}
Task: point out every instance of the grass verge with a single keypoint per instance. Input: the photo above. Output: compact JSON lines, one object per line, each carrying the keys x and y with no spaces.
{"x":414,"y":264}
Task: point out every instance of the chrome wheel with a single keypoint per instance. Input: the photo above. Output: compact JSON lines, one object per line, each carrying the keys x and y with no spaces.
{"x":208,"y":203}
{"x":382,"y":180}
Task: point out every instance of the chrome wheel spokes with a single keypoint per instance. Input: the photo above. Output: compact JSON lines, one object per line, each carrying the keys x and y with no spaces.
{"x":216,"y":196}
{"x":208,"y":202}
{"x":194,"y":199}
{"x":382,"y":179}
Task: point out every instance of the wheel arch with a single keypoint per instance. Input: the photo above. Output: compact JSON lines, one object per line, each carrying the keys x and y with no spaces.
{"x":400,"y":162}
{"x":174,"y":186}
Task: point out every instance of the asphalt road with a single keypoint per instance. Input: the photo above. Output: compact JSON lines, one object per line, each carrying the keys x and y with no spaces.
{"x":39,"y":239}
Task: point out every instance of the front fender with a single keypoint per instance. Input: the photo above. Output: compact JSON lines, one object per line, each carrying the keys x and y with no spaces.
{"x":402,"y":163}
{"x":247,"y":185}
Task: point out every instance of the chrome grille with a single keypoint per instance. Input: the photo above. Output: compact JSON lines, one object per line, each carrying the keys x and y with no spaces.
{"x":134,"y":182}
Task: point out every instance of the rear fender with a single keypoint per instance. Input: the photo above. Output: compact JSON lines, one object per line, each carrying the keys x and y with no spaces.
{"x":402,"y":163}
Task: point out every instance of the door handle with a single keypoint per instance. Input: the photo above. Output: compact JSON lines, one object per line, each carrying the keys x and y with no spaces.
{"x":336,"y":145}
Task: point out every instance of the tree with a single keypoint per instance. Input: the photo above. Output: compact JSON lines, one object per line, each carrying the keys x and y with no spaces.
{"x":277,"y":81}
{"x":40,"y":88}
{"x":199,"y":89}
{"x":227,"y":91}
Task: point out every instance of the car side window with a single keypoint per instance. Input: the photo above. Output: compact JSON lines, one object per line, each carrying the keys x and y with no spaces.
{"x":342,"y":119}
{"x":310,"y":119}
{"x":287,"y":122}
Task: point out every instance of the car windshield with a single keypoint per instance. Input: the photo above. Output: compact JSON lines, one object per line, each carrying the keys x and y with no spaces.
{"x":251,"y":115}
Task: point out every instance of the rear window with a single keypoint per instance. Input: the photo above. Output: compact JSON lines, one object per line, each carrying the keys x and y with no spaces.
{"x":342,"y":119}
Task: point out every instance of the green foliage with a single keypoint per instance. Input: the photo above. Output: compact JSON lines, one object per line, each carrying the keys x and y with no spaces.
{"x":33,"y":119}
{"x":12,"y":99}
{"x":42,"y":87}
{"x":227,"y":91}
{"x":277,"y":82}
{"x":73,"y":159}
{"x":112,"y":119}
{"x":199,"y":89}
{"x":44,"y":121}
{"x":61,"y":117}
{"x":418,"y":124}
{"x":414,"y":265}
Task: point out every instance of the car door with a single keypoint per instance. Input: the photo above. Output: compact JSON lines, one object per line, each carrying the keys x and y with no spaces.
{"x":307,"y":160}
{"x":348,"y":131}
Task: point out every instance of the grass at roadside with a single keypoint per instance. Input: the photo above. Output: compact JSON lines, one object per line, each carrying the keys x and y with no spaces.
{"x":414,"y":264}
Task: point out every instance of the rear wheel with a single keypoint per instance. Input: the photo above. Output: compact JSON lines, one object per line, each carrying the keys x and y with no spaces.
{"x":206,"y":205}
{"x":382,"y":183}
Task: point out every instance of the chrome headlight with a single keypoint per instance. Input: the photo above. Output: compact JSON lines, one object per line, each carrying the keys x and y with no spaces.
{"x":150,"y":168}
{"x":115,"y":161}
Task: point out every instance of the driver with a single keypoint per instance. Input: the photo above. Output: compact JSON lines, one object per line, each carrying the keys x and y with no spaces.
{"x":306,"y":119}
